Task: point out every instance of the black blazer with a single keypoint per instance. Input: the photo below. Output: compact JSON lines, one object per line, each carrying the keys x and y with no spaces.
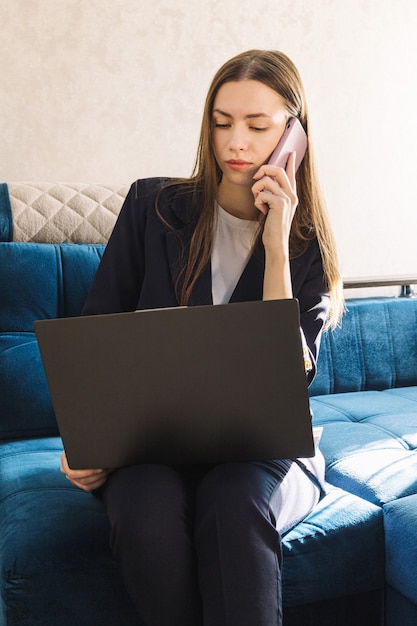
{"x":143,"y":258}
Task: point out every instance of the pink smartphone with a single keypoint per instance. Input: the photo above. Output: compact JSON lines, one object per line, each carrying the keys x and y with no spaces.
{"x":294,"y":139}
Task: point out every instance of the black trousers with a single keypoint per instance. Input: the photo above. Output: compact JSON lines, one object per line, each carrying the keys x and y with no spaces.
{"x":198,"y":544}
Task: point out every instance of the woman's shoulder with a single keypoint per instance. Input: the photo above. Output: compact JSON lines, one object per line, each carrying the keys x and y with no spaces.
{"x":148,"y":188}
{"x":164,"y":197}
{"x":144,"y":188}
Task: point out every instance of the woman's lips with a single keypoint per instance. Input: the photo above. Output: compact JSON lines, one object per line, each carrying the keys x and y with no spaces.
{"x":238,"y":165}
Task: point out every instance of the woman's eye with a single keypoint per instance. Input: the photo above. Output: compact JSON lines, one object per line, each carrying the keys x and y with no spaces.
{"x":218,"y":125}
{"x":258,"y":129}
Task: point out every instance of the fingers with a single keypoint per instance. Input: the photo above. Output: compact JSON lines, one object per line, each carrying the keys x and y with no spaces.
{"x":272,"y":193}
{"x":278,"y":173}
{"x":275,"y":183}
{"x":84,"y":479}
{"x":263,"y":201}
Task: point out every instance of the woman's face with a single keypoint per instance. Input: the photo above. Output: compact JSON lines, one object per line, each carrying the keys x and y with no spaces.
{"x":248,"y":120}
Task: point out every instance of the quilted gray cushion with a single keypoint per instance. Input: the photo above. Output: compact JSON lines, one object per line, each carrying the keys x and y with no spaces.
{"x":65,"y":212}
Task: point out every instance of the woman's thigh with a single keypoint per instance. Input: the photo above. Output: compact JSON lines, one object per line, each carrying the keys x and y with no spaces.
{"x":280,"y":490}
{"x":151,"y":514}
{"x":240,"y":509}
{"x":150,"y":498}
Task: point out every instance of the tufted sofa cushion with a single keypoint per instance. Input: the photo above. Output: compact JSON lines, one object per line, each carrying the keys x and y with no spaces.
{"x":369,"y":441}
{"x":59,"y":212}
{"x":53,"y":281}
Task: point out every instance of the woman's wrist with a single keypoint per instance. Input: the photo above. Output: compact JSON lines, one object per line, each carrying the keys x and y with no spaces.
{"x":277,"y":278}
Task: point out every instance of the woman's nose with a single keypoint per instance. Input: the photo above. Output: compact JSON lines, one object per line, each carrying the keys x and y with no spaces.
{"x":238,"y":140}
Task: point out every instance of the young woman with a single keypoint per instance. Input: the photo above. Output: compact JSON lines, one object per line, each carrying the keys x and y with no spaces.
{"x":201,"y":544}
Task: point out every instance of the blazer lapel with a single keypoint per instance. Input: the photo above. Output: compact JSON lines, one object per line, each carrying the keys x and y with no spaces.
{"x":250,"y":284}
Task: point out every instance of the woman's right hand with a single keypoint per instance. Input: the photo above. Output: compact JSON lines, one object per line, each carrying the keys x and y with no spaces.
{"x":88,"y":480}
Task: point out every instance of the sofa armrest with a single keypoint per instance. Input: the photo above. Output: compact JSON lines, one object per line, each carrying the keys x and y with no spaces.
{"x":406,"y":283}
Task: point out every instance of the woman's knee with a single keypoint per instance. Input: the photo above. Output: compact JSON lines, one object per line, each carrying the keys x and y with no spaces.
{"x":231,"y":490}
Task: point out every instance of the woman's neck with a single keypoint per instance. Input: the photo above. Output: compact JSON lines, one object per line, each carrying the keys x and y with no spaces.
{"x":237,"y":202}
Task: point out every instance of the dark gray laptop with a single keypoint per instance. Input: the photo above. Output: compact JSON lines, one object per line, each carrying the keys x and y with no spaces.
{"x":204,"y":384}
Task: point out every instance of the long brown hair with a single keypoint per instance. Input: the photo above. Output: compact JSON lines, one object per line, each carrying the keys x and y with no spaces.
{"x":277,"y":71}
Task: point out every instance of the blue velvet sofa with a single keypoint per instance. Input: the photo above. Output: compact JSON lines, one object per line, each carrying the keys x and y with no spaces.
{"x":351,"y":562}
{"x":365,"y":397}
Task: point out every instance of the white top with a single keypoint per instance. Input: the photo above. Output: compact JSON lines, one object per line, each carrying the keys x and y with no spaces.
{"x":233,"y":242}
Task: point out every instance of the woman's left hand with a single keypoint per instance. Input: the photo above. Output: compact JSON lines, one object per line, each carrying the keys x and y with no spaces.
{"x":275,"y":196}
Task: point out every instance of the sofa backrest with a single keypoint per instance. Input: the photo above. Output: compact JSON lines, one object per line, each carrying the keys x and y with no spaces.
{"x":37,"y":281}
{"x":44,"y":280}
{"x":375,"y":348}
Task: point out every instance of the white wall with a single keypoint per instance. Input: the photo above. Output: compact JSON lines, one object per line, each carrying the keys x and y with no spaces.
{"x":113,"y":90}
